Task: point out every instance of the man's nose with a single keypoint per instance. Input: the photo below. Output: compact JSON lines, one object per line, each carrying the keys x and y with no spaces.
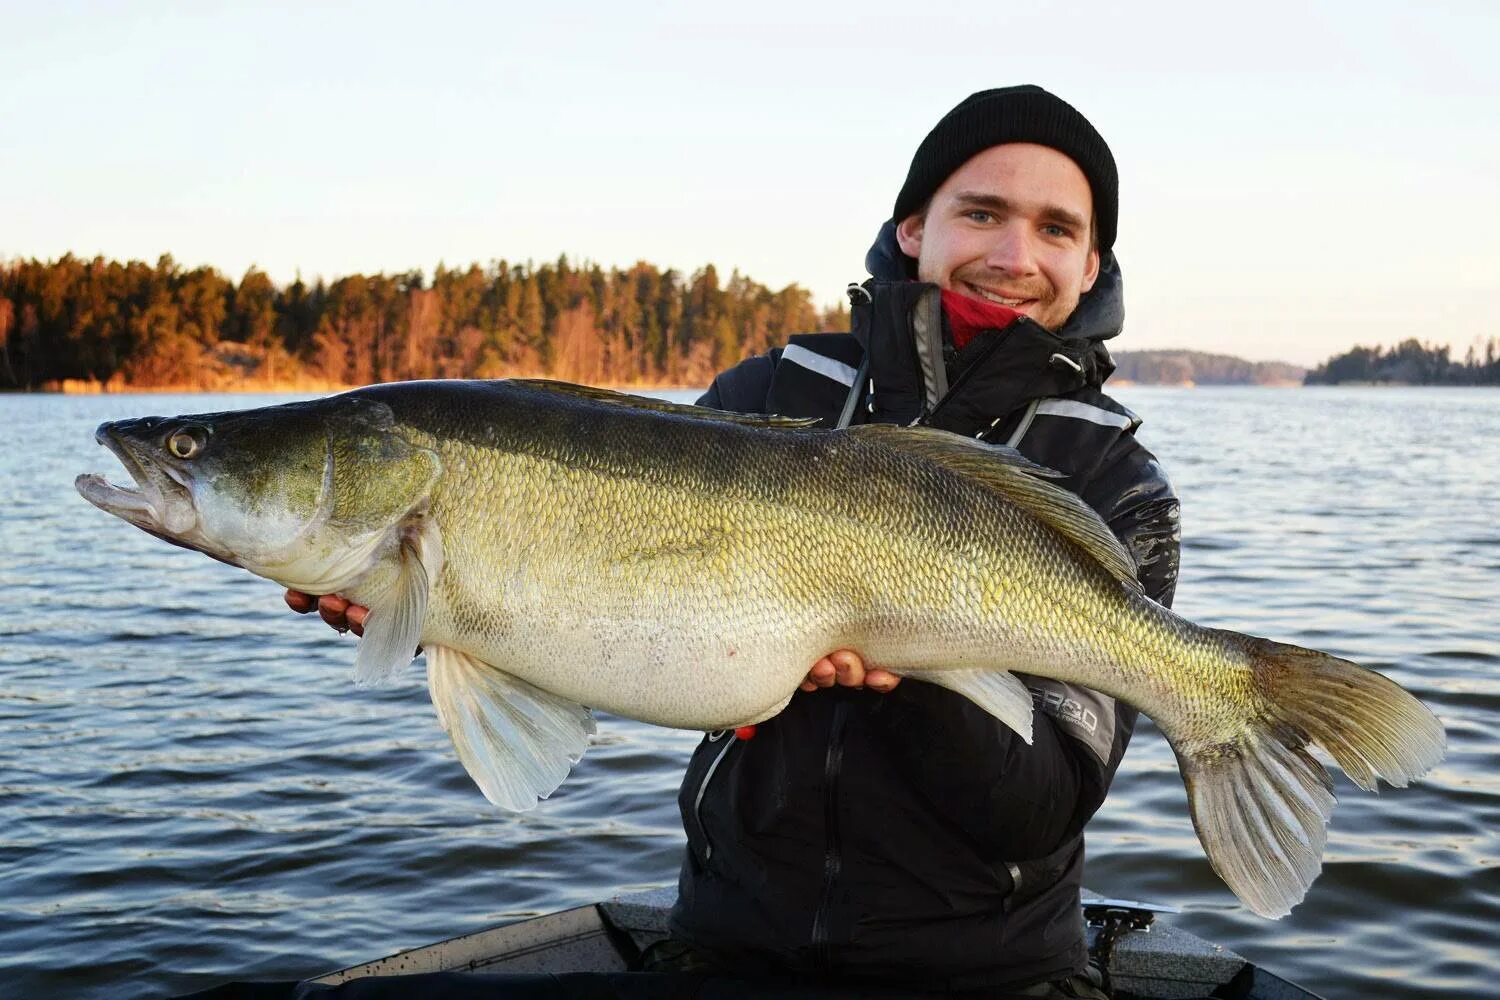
{"x":1011,"y":251}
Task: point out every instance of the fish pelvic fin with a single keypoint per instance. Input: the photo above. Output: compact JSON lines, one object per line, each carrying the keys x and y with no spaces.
{"x":999,"y":692}
{"x":1261,"y":803}
{"x":393,"y":628}
{"x":1019,"y":480}
{"x":595,"y":395}
{"x":517,"y":741}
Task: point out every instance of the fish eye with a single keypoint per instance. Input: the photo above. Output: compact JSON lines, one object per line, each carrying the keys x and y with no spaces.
{"x":185,"y":442}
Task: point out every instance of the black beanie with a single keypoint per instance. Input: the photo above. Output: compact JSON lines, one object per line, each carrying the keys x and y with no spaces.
{"x":1026,"y":113}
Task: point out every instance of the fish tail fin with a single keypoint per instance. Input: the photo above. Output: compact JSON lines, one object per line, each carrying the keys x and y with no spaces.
{"x":1261,"y":802}
{"x":1372,"y":726}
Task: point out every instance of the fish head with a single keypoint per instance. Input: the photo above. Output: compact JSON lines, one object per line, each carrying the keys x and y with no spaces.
{"x":301,"y":493}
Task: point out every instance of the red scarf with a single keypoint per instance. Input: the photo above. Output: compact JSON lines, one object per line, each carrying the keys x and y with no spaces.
{"x":967,"y":317}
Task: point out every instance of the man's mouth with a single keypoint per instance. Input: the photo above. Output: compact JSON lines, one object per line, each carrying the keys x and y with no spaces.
{"x":997,"y":298}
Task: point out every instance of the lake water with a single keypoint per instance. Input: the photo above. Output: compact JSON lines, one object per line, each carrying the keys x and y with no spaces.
{"x":191,"y":789}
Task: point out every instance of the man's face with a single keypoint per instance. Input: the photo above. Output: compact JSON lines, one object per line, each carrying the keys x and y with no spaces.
{"x":1012,"y":225}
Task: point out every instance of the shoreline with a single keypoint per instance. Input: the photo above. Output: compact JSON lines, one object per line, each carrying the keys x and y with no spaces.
{"x":91,"y":387}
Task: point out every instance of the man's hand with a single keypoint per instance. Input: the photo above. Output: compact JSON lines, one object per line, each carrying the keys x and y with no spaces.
{"x":846,"y":668}
{"x":334,"y":610}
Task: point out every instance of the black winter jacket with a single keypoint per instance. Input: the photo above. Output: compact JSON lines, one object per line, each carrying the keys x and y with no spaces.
{"x":911,"y":836}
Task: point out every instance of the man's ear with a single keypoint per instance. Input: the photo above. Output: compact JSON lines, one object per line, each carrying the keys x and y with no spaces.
{"x":1091,"y":271}
{"x":909,"y":234}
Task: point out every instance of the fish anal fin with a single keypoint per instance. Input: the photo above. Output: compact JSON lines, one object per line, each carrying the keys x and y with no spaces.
{"x":517,"y":741}
{"x":1019,"y":480}
{"x":998,"y":692}
{"x":596,"y":395}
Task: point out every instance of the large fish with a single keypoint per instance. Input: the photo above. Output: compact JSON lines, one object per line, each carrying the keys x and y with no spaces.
{"x":554,"y":547}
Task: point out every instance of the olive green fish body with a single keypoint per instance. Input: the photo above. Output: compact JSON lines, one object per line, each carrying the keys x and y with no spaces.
{"x":554,"y":546}
{"x":668,"y":580}
{"x":689,"y":570}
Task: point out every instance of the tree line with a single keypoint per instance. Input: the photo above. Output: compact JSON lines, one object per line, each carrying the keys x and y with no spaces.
{"x":134,"y":325}
{"x":1412,"y":363}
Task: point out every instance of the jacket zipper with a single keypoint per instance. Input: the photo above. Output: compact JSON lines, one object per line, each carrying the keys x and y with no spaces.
{"x":833,"y":860}
{"x":708,"y":847}
{"x":975,"y":365}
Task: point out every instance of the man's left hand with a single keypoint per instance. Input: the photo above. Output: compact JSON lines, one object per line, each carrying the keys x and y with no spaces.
{"x":334,"y":610}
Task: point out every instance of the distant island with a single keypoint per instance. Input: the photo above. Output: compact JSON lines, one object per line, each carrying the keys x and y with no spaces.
{"x":1411,"y":363}
{"x":1200,"y":368}
{"x":1408,"y":363}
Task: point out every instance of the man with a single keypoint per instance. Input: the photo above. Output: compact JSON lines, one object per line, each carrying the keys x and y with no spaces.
{"x":908,"y":837}
{"x":894,"y":834}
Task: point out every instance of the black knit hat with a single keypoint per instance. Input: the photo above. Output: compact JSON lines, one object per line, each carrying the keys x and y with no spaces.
{"x":1026,"y":113}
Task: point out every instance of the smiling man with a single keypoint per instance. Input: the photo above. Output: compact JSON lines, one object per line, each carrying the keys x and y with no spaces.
{"x":893,"y":835}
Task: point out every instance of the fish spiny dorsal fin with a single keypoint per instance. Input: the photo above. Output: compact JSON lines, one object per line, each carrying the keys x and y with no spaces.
{"x":661,"y":405}
{"x":1019,"y":480}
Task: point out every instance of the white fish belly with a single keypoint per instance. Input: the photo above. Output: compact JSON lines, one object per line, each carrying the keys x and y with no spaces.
{"x":693,"y":672}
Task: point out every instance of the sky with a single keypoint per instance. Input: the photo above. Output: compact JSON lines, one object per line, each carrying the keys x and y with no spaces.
{"x":1295,"y":178}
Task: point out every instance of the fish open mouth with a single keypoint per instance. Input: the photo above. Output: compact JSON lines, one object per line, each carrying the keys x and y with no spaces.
{"x":129,"y":502}
{"x":137,"y":503}
{"x":158,"y":500}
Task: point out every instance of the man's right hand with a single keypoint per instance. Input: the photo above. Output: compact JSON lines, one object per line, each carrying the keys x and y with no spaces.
{"x":846,"y":668}
{"x":333,"y":609}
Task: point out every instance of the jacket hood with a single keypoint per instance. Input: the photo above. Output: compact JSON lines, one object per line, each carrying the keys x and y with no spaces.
{"x":1101,"y":310}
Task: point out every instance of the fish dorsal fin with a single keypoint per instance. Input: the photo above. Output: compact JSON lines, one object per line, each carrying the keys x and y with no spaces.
{"x":661,"y":405}
{"x":1019,"y":480}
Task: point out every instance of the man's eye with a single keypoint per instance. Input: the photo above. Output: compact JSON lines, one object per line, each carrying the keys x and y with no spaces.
{"x":979,"y":215}
{"x":1060,"y":232}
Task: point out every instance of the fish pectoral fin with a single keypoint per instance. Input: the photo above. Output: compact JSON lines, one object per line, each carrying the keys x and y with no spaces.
{"x":998,"y":692}
{"x":393,"y":628}
{"x":517,"y":741}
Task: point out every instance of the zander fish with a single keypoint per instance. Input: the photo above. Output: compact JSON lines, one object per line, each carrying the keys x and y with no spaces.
{"x":554,"y":547}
